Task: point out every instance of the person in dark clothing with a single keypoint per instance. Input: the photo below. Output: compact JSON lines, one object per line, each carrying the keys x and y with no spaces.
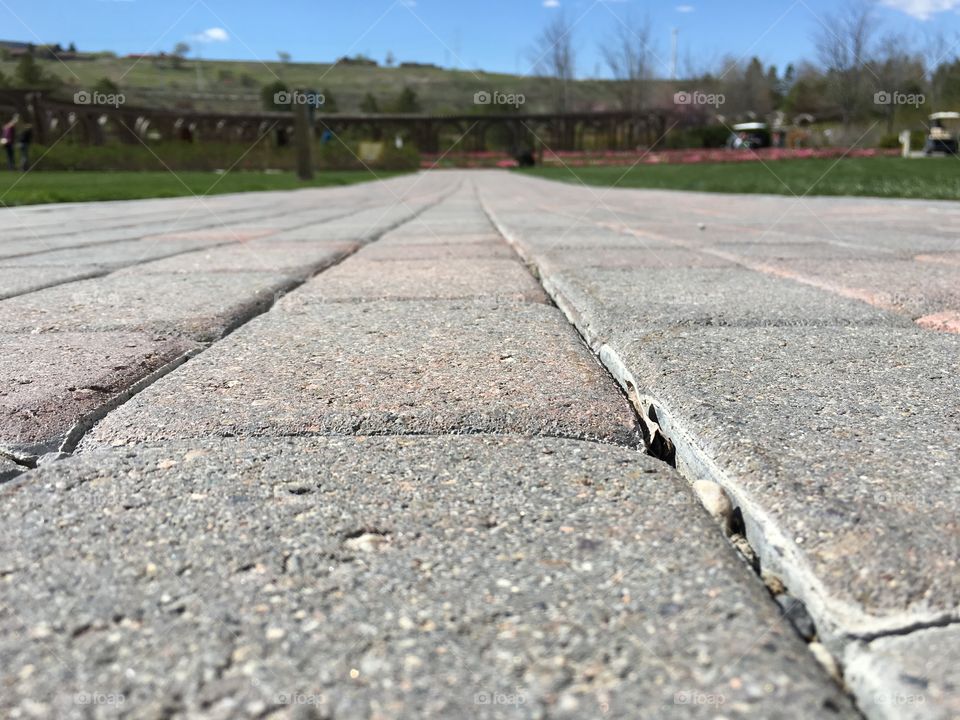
{"x":7,"y":137}
{"x":26,"y":137}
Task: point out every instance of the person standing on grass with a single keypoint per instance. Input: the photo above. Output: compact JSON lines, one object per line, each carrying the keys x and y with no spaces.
{"x":7,"y":137}
{"x":26,"y":137}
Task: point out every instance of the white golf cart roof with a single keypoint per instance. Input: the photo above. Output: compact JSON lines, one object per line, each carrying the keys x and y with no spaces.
{"x":752,"y":126}
{"x":945,"y":116}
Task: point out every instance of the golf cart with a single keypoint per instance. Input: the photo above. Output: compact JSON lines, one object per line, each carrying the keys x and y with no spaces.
{"x":943,"y":134}
{"x":749,"y":136}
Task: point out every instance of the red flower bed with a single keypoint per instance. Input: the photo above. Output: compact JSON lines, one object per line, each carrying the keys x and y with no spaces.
{"x":627,"y":158}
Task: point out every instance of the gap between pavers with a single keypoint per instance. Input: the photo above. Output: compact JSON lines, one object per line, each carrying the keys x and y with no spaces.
{"x":52,"y":381}
{"x":25,"y":278}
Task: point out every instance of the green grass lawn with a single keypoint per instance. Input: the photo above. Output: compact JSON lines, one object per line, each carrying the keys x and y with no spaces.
{"x":930,"y":178}
{"x":50,"y":187}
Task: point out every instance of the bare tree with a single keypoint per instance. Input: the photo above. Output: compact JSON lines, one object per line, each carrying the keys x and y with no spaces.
{"x":630,"y":58}
{"x":748,"y":88}
{"x":843,"y":45}
{"x":554,"y":56}
{"x":938,"y":51}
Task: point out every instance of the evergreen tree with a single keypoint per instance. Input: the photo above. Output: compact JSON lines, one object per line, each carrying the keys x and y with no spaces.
{"x":28,"y":73}
{"x":369,"y":105}
{"x":407,"y":101}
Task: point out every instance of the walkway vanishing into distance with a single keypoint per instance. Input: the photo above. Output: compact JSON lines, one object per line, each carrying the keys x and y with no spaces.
{"x":480,"y":445}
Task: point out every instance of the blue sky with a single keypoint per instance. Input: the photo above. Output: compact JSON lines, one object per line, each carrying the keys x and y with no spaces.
{"x":493,"y":34}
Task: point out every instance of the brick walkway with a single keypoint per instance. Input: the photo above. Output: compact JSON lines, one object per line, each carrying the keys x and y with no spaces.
{"x":478,"y":445}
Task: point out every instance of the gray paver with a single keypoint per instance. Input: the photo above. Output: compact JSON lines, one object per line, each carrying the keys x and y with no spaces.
{"x":386,"y":577}
{"x":362,"y":226}
{"x":421,"y":230}
{"x":425,"y":235}
{"x":32,"y":247}
{"x":16,"y":280}
{"x":887,"y":235}
{"x":626,"y":257}
{"x":912,"y":677}
{"x":414,"y":367}
{"x":618,"y":301}
{"x":913,"y":288}
{"x":287,"y":258}
{"x":587,"y":236}
{"x":823,"y":252}
{"x":112,"y":255}
{"x":493,"y":279}
{"x":50,"y":381}
{"x":386,"y":251}
{"x":200,"y":305}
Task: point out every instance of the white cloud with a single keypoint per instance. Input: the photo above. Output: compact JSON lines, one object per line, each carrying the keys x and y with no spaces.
{"x":922,"y":9}
{"x":214,"y":34}
{"x":551,"y":3}
{"x":685,"y":8}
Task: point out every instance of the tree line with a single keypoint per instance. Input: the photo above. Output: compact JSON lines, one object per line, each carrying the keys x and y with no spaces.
{"x":856,"y":65}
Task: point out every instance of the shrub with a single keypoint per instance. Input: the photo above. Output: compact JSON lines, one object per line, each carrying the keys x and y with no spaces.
{"x":711,"y":136}
{"x":918,"y":139}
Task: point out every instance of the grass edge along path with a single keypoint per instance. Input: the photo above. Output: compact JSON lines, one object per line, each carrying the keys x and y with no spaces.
{"x":926,"y":178}
{"x":35,"y":188}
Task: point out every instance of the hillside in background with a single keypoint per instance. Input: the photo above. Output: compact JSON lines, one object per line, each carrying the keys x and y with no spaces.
{"x":235,"y":86}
